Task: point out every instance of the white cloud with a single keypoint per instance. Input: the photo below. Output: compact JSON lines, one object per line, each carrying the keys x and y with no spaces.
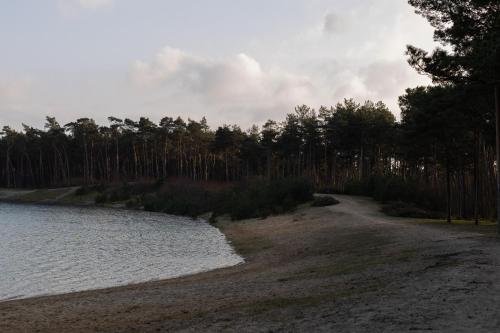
{"x":386,"y":78}
{"x":165,"y":65}
{"x":238,"y":89}
{"x":355,"y":50}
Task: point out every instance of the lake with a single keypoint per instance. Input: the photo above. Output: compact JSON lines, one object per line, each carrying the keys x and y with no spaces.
{"x":48,"y":250}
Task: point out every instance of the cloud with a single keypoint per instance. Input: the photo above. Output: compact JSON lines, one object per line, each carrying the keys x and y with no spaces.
{"x":333,"y":23}
{"x":238,"y":89}
{"x":385,"y":78}
{"x":165,"y":66}
{"x":345,"y":59}
{"x":381,"y":80}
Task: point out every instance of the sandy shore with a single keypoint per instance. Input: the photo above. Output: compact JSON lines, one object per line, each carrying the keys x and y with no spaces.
{"x":345,"y":268}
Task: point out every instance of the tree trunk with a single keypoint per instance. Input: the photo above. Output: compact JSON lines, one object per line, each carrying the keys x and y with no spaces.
{"x":476,"y":177}
{"x":497,"y":107}
{"x":361,"y":160}
{"x":448,"y":192}
{"x":464,"y":192}
{"x":117,"y":163}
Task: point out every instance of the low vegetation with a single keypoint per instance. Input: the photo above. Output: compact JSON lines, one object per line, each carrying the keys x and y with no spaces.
{"x":399,"y":197}
{"x":403,"y":209}
{"x":249,"y":199}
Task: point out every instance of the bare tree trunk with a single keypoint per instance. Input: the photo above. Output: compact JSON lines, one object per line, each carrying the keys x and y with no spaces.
{"x":476,"y":177}
{"x":361,"y":160}
{"x":7,"y":166}
{"x":464,"y":192}
{"x":497,"y":107}
{"x":117,"y":166}
{"x":448,"y":191}
{"x":135,"y":162}
{"x":227,"y":167}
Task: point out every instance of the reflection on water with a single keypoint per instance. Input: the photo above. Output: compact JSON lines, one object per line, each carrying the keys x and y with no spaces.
{"x":48,"y":250}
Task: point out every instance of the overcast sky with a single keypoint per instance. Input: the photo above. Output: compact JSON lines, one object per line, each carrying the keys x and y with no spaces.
{"x":234,"y":61}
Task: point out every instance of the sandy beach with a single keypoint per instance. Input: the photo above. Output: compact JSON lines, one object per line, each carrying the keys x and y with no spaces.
{"x":345,"y":268}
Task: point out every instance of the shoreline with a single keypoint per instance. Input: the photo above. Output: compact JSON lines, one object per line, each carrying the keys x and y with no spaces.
{"x":13,"y":201}
{"x":341,"y":268}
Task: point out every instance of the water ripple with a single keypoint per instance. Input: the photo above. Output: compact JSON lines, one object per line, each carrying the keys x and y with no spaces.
{"x":52,"y":250}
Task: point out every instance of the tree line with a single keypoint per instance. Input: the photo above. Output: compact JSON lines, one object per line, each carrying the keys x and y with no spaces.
{"x":333,"y":146}
{"x":327,"y":143}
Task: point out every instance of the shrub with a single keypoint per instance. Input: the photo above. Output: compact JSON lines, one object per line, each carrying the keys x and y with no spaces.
{"x":101,"y":198}
{"x":133,"y":203}
{"x":81,"y":191}
{"x":263,"y":198}
{"x":402,"y":209}
{"x":249,"y":199}
{"x":119,"y":195}
{"x":99,"y":188}
{"x":191,"y":200}
{"x":324,"y":201}
{"x":391,"y":189}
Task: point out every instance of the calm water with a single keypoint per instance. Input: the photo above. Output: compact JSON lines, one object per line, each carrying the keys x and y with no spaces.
{"x":49,"y":250}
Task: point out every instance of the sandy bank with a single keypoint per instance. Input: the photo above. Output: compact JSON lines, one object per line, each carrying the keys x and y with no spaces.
{"x":342,"y":268}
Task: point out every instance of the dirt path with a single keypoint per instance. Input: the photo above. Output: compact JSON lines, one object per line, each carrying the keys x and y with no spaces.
{"x":346,"y":268}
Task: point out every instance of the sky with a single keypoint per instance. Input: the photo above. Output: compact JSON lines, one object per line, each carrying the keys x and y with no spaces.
{"x":233,"y":61}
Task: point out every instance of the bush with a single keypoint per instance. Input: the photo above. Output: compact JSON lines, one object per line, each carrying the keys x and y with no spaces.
{"x":133,"y":203}
{"x":324,"y":201}
{"x":402,"y":209}
{"x":81,"y":191}
{"x":101,"y":198}
{"x":246,"y":200}
{"x":392,"y":189}
{"x":99,"y":188}
{"x":119,"y":195}
{"x":84,"y":190}
{"x":263,"y":198}
{"x":191,"y":200}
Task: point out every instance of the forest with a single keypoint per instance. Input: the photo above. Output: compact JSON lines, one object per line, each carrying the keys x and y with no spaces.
{"x":439,"y":156}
